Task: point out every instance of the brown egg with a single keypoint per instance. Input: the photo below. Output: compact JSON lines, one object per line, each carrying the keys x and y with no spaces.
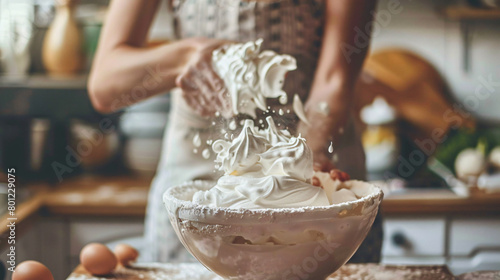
{"x":32,"y":270}
{"x":98,"y":259}
{"x":126,"y":254}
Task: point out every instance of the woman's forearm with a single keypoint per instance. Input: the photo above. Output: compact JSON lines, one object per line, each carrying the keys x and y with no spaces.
{"x":345,"y":43}
{"x":127,"y":74}
{"x":336,"y":74}
{"x":125,"y":71}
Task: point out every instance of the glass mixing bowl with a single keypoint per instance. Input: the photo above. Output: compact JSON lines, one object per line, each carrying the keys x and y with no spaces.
{"x":268,"y":244}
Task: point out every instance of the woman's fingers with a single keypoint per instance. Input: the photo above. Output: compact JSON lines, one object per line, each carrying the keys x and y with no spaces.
{"x":203,"y":89}
{"x":219,"y":89}
{"x":204,"y":83}
{"x":188,"y":90}
{"x":184,"y":82}
{"x":212,"y":78}
{"x":194,"y":102}
{"x":216,"y":90}
{"x":337,"y":174}
{"x":315,"y":182}
{"x":194,"y":89}
{"x":227,"y":106}
{"x":322,"y":163}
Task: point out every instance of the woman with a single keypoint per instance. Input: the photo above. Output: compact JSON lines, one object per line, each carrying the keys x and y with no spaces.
{"x":315,"y":32}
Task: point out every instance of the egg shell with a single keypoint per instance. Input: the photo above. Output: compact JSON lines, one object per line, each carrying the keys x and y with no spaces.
{"x":32,"y":270}
{"x":126,"y":254}
{"x":98,"y":259}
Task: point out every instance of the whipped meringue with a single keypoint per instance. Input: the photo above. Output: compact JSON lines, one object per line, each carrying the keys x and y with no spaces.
{"x":252,"y":76}
{"x":266,"y":168}
{"x":263,"y":169}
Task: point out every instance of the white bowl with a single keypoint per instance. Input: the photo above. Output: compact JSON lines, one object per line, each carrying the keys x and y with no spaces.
{"x":267,"y":244}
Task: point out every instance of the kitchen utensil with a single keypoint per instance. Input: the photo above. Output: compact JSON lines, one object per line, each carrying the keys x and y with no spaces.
{"x":457,"y":186}
{"x":413,"y":87}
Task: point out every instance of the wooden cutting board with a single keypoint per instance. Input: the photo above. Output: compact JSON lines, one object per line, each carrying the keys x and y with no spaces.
{"x":414,"y":87}
{"x":198,"y":272}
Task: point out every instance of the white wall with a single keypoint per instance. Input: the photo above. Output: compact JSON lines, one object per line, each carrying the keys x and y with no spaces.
{"x":419,"y":28}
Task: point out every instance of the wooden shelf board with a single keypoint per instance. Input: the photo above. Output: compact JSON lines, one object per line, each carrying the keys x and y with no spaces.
{"x":469,"y":13}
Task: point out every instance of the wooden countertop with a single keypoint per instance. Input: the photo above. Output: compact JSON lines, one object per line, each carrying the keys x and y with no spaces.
{"x":445,"y":202}
{"x":23,"y":212}
{"x":348,"y":271}
{"x":87,"y":196}
{"x":110,"y":196}
{"x":127,"y":196}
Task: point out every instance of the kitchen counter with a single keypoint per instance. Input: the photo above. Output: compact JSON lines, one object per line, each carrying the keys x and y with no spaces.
{"x":197,"y":272}
{"x":440,"y":201}
{"x":108,"y":196}
{"x":99,"y":209}
{"x":24,"y":210}
{"x":84,"y":196}
{"x":41,"y":96}
{"x":127,"y":196}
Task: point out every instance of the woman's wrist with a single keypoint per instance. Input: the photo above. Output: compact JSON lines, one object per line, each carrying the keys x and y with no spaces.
{"x":334,"y":88}
{"x":183,"y":51}
{"x":189,"y":48}
{"x":328,"y":110}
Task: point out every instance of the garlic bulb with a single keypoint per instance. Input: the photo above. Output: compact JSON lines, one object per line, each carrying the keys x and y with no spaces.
{"x":470,"y":162}
{"x":494,"y":157}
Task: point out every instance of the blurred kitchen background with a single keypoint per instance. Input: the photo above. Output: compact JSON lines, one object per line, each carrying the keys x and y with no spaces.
{"x":428,"y":102}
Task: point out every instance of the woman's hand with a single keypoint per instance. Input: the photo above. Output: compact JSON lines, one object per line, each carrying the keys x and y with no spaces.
{"x":323,"y":130}
{"x":327,"y":117}
{"x":335,"y":174}
{"x":317,"y":138}
{"x":203,"y":89}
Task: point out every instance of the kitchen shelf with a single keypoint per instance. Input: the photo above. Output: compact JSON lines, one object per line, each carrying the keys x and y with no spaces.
{"x":44,"y":81}
{"x":44,"y":96}
{"x":466,"y":15}
{"x":470,"y":13}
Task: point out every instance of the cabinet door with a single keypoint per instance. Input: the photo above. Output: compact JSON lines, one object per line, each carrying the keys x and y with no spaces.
{"x":486,"y":260}
{"x":474,"y":244}
{"x":27,"y":246}
{"x":469,"y":236}
{"x":420,"y":260}
{"x":414,"y":237}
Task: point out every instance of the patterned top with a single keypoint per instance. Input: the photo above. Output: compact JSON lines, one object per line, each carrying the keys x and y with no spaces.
{"x":293,"y":27}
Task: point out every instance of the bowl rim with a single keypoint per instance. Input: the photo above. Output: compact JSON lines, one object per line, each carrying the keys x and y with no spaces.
{"x":206,"y":213}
